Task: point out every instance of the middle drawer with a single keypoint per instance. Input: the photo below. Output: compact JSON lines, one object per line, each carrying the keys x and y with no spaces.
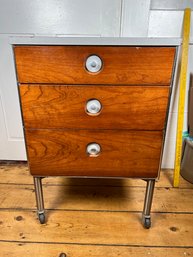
{"x":119,"y":107}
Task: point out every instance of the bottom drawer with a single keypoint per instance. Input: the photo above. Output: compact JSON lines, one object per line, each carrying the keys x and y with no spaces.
{"x":122,"y":153}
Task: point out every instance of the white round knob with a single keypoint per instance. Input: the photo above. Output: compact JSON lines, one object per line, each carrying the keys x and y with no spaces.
{"x":93,"y":63}
{"x":93,"y":149}
{"x":93,"y":106}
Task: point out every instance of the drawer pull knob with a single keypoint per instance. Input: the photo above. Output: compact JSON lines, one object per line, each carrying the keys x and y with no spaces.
{"x":93,"y":63}
{"x":93,"y":149}
{"x":93,"y":107}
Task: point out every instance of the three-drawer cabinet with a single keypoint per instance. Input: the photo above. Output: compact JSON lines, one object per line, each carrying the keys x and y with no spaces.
{"x":96,"y":111}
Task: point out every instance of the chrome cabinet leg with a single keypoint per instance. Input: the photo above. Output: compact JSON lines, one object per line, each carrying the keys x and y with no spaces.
{"x":146,"y":217}
{"x":39,"y":199}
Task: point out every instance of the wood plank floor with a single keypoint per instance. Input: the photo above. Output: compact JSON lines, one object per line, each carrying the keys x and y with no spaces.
{"x":93,"y":217}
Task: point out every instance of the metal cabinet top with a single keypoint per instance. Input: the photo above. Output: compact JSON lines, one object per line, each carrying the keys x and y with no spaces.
{"x":33,"y":40}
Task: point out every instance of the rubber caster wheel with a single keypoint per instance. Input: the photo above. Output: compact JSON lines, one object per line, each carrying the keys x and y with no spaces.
{"x":41,"y":217}
{"x":147,"y":223}
{"x":62,"y":255}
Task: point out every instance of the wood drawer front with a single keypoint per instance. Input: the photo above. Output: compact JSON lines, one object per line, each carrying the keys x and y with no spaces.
{"x":121,"y":65}
{"x":123,"y":154}
{"x":123,"y":107}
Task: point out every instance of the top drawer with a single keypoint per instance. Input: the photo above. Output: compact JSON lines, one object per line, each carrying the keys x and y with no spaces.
{"x":120,"y":65}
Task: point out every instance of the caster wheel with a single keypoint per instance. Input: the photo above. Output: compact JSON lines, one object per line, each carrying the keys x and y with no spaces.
{"x":41,"y":217}
{"x":147,"y":223}
{"x":62,"y":255}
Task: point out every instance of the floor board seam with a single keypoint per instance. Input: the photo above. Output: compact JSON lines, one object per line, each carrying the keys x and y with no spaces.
{"x":92,"y":244}
{"x":99,"y":211}
{"x":60,"y":185}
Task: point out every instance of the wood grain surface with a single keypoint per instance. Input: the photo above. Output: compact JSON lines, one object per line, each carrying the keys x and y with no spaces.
{"x":121,"y":65}
{"x":15,"y":174}
{"x":84,"y":250}
{"x":111,"y":229}
{"x":97,"y":198}
{"x":63,"y":152}
{"x":123,"y":107}
{"x":98,"y":228}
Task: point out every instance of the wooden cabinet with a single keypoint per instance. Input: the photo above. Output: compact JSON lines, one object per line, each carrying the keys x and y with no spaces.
{"x":109,"y":100}
{"x":122,"y":153}
{"x":122,"y":107}
{"x":120,"y":65}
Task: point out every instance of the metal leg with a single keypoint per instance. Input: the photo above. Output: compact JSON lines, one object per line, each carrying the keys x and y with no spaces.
{"x":39,"y":199}
{"x":146,"y":217}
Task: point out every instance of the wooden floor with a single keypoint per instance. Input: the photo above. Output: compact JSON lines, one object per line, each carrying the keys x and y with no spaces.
{"x":93,"y":217}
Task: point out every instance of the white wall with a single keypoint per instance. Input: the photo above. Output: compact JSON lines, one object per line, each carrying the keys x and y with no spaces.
{"x":165,"y":20}
{"x":106,"y":18}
